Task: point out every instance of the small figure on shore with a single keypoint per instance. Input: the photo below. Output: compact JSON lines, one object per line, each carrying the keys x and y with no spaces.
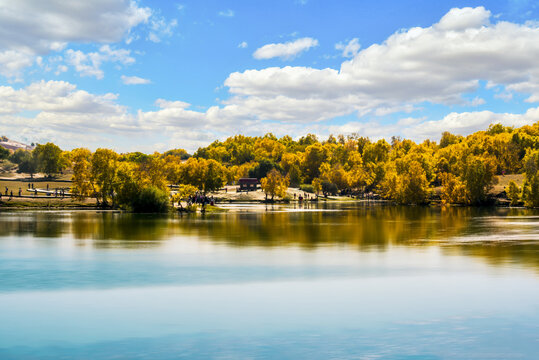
{"x":35,"y":192}
{"x":20,"y":192}
{"x":47,"y":187}
{"x":10,"y":194}
{"x":28,"y":185}
{"x":6,"y":190}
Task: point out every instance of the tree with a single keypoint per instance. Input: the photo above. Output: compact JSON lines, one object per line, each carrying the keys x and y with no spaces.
{"x":530,"y":191}
{"x":206,"y":175}
{"x":26,"y":160}
{"x":80,"y":162}
{"x":513,"y":193}
{"x":449,"y":139}
{"x":410,"y":186}
{"x":317,"y":186}
{"x":453,"y":190}
{"x":103,"y":175}
{"x":150,"y":200}
{"x":262,"y":169}
{"x":183,"y":192}
{"x":49,"y":159}
{"x":479,"y":177}
{"x":315,"y":155}
{"x":4,"y":153}
{"x":274,"y":184}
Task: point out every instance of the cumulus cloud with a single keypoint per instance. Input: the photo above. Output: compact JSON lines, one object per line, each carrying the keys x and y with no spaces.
{"x":285,"y":51}
{"x":440,"y":64}
{"x":134,"y":80}
{"x":88,"y":64}
{"x":243,"y":45}
{"x":31,"y":28}
{"x":349,"y":49}
{"x":41,"y":26}
{"x":12,"y":63}
{"x":64,"y":113}
{"x":437,"y":64}
{"x":419,"y":129}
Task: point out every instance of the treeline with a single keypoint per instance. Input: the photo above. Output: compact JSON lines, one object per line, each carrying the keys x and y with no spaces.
{"x":463,"y":170}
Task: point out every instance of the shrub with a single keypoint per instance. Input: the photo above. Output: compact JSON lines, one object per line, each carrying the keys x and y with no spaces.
{"x":151,"y":200}
{"x":307,"y":188}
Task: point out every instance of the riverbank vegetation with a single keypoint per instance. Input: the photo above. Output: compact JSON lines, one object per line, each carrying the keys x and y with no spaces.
{"x":457,"y":170}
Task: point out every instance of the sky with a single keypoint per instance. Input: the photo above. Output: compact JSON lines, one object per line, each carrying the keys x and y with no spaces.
{"x":140,"y":75}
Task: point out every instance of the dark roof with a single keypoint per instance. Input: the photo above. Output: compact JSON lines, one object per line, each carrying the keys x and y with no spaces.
{"x":248,"y":180}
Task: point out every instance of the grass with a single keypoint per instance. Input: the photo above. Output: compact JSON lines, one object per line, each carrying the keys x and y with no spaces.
{"x":46,"y":203}
{"x":23,"y":185}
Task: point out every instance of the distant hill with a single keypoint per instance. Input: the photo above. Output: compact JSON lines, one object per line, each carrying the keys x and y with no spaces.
{"x":14,"y":145}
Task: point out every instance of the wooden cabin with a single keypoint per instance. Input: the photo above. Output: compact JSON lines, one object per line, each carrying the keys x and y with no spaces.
{"x":247,"y":184}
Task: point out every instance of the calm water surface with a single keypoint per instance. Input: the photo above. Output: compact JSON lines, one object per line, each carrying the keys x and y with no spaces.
{"x":339,"y":281}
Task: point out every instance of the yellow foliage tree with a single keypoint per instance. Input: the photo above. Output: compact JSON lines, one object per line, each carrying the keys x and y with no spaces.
{"x":80,"y":163}
{"x":275,"y":184}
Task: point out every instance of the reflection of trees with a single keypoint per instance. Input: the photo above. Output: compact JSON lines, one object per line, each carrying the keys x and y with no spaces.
{"x":458,"y":230}
{"x":374,"y":228}
{"x":104,"y":229}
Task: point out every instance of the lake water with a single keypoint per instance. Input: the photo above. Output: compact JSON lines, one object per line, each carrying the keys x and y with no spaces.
{"x":335,"y":281}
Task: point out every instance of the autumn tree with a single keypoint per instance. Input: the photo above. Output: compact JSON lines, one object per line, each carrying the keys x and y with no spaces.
{"x":453,"y":190}
{"x":80,"y":163}
{"x":479,"y":177}
{"x":513,"y":193}
{"x":104,"y":166}
{"x":274,"y":184}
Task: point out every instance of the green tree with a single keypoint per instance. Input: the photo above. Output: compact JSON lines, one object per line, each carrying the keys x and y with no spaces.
{"x":4,"y":153}
{"x":50,"y":159}
{"x":26,"y":160}
{"x":151,"y":200}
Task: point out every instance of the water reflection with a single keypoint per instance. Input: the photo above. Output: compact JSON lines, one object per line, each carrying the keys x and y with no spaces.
{"x":500,"y":235}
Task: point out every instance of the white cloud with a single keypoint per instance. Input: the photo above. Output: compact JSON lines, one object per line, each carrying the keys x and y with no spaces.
{"x":465,"y":18}
{"x":41,"y":26}
{"x":243,"y":45}
{"x":31,"y":28}
{"x":419,"y":129}
{"x":134,"y":80}
{"x":350,"y":49}
{"x":13,"y":62}
{"x":226,"y":13}
{"x":160,"y":28}
{"x":65,"y":114}
{"x":438,"y":64}
{"x":285,"y":51}
{"x":477,"y":101}
{"x":89,"y":64}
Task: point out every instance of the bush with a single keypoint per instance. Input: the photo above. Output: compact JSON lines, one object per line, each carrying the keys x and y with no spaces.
{"x":307,"y":188}
{"x":329,"y":188}
{"x":151,"y":200}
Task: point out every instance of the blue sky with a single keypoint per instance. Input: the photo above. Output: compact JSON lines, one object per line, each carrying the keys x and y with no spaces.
{"x":154,"y":75}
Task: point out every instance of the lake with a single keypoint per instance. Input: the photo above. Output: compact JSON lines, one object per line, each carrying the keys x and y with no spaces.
{"x":330,"y":281}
